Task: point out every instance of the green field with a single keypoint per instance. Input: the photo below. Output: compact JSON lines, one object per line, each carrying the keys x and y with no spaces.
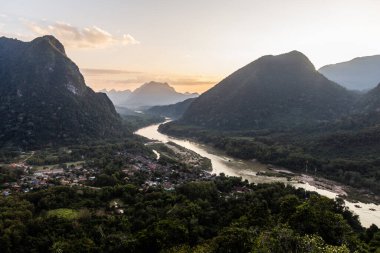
{"x":41,"y":167}
{"x":64,"y":213}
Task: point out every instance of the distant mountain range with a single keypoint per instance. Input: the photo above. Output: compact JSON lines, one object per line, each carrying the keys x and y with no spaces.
{"x":282,"y":91}
{"x":44,"y":99}
{"x":117,"y":97}
{"x":149,"y":94}
{"x":362,"y":73}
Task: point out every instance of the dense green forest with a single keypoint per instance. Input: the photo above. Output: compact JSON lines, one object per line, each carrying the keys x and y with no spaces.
{"x":204,"y":216}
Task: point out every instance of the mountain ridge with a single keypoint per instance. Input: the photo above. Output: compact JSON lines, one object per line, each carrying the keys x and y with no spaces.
{"x":360,"y":73}
{"x":270,"y":91}
{"x":44,"y":98}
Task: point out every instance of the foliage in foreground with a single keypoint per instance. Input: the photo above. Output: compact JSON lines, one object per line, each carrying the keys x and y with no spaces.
{"x":201,"y":216}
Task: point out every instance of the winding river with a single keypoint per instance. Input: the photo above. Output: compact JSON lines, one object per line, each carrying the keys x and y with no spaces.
{"x":247,"y":169}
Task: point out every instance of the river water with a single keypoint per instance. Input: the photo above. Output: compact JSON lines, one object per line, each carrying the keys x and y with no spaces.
{"x":247,"y":169}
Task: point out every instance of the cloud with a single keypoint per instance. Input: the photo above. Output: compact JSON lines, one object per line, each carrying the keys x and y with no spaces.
{"x":76,"y":37}
{"x":128,"y":39}
{"x":14,"y":35}
{"x":191,"y":82}
{"x":167,"y":79}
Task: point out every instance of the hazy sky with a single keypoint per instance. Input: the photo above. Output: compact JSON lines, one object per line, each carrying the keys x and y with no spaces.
{"x":192,"y":44}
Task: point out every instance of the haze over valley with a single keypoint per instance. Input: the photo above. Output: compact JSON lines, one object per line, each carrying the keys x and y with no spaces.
{"x":147,"y":95}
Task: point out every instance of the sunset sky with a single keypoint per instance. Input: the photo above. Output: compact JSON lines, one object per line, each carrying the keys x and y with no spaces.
{"x":193,"y":44}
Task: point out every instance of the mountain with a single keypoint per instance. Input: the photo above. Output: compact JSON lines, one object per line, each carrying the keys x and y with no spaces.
{"x":154,"y":93}
{"x":117,"y":97}
{"x":361,"y":73}
{"x":283,"y":91}
{"x":44,"y":99}
{"x":173,"y":111}
{"x":366,"y":112}
{"x":370,"y":102}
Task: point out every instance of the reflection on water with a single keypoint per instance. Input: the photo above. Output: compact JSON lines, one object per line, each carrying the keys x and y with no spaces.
{"x":248,"y":169}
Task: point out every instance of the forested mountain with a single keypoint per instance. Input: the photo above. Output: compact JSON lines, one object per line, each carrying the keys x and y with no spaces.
{"x":44,"y":98}
{"x":366,"y":111}
{"x":370,"y":102}
{"x":151,"y":94}
{"x":280,"y":110}
{"x":174,"y":111}
{"x":283,"y":91}
{"x":362,"y":73}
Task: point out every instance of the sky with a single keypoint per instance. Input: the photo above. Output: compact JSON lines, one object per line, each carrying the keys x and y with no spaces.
{"x":192,"y":45}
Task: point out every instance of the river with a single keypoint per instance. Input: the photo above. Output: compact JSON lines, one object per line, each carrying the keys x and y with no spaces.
{"x":247,"y":169}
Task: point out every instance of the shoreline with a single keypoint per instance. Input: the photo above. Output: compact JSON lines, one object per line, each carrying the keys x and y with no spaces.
{"x":365,"y":206}
{"x":344,"y":191}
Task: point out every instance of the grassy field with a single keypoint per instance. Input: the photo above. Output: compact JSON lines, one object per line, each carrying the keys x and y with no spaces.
{"x":41,"y":167}
{"x":64,"y":213}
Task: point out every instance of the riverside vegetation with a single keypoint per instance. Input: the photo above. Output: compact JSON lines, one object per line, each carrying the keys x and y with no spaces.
{"x":326,"y":156}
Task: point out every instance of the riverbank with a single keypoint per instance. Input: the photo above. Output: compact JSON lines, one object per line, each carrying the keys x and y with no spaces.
{"x":178,"y":154}
{"x":249,"y":170}
{"x":265,"y":148}
{"x":341,"y":190}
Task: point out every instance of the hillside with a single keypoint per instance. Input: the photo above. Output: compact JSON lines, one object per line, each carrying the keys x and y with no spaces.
{"x":283,"y":91}
{"x":44,"y":99}
{"x":173,"y":111}
{"x":370,"y":102}
{"x":366,"y":112}
{"x":362,"y":73}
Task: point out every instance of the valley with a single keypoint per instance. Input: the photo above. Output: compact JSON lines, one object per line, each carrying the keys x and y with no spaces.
{"x":274,"y":158}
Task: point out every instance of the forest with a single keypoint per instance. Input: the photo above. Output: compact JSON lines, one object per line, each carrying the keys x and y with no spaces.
{"x":203,"y":216}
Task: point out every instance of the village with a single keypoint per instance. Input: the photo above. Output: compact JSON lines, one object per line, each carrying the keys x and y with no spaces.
{"x":32,"y":179}
{"x":162,"y":171}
